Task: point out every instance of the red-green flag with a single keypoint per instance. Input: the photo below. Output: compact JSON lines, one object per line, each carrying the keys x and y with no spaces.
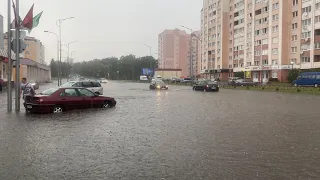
{"x":28,"y":20}
{"x":35,"y":21}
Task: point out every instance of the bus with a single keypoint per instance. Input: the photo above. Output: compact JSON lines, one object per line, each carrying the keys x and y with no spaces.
{"x":308,"y":79}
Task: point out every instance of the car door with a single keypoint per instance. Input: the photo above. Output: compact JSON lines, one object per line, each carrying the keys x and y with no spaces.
{"x":88,"y":85}
{"x":72,"y":99}
{"x":88,"y":97}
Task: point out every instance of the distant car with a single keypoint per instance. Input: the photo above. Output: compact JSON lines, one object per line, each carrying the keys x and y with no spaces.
{"x":35,"y":85}
{"x":58,"y":100}
{"x":206,"y":86}
{"x":158,"y":84}
{"x":103,"y":80}
{"x":93,"y":86}
{"x":242,"y":82}
{"x":186,"y":80}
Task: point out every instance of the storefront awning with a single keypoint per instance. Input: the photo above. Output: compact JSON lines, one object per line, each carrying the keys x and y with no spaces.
{"x":4,"y":53}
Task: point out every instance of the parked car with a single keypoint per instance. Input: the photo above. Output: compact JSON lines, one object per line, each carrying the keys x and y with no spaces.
{"x":308,"y":79}
{"x":93,"y":86}
{"x":242,"y":82}
{"x":103,"y":80}
{"x":186,"y":80}
{"x":57,"y":100}
{"x":158,"y":84}
{"x":206,"y":86}
{"x":35,"y":84}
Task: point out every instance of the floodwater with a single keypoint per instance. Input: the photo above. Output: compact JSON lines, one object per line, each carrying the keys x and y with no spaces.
{"x":174,"y":134}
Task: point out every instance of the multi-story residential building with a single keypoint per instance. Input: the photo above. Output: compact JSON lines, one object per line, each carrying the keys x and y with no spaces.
{"x":173,"y":50}
{"x":196,"y":51}
{"x":264,"y":37}
{"x":215,"y":39}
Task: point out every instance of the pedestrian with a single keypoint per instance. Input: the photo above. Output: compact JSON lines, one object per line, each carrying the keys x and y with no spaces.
{"x":26,"y":89}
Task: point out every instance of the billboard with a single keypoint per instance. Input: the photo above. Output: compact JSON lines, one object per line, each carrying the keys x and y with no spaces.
{"x":147,"y":71}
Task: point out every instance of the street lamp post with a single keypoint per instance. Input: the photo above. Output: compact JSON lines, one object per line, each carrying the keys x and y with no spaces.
{"x":59,"y":22}
{"x":292,"y":65}
{"x":57,"y":53}
{"x":9,"y":91}
{"x":68,"y":59}
{"x":150,"y":53}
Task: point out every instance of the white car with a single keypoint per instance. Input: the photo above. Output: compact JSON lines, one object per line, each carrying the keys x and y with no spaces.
{"x":103,"y":80}
{"x":93,"y":86}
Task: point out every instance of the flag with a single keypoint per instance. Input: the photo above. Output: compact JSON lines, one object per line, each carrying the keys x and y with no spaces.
{"x":28,"y":20}
{"x":35,"y":21}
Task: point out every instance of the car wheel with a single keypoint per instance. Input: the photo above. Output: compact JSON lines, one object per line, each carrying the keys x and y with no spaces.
{"x":316,"y":85}
{"x":106,"y":104}
{"x":57,"y":109}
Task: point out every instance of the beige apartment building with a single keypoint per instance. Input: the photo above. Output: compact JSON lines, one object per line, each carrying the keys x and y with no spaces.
{"x":265,"y":38}
{"x":174,"y":51}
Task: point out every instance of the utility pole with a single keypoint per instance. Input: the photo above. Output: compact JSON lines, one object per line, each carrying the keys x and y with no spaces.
{"x":17,"y":80}
{"x":60,"y":63}
{"x":9,"y":91}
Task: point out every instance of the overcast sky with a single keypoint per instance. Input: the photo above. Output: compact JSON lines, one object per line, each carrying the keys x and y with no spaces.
{"x":105,"y":28}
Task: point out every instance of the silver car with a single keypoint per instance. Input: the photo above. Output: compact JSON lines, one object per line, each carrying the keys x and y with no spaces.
{"x":93,"y":86}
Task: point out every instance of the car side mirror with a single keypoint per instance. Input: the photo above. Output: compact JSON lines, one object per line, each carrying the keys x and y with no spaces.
{"x":96,"y":94}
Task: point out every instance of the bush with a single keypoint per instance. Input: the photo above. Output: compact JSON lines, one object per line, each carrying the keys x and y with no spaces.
{"x":293,"y":74}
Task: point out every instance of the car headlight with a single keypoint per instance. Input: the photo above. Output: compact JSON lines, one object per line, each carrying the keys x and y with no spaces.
{"x":158,"y":87}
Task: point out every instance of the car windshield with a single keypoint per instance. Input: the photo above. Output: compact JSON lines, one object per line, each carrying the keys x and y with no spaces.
{"x":49,"y":91}
{"x":68,"y":84}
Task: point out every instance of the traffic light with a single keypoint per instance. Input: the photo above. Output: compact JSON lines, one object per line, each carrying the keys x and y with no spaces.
{"x":22,"y":46}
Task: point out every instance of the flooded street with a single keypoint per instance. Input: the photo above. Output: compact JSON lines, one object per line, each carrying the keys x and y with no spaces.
{"x":174,"y":134}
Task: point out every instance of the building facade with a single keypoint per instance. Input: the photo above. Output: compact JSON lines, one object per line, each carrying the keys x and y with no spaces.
{"x":174,"y":50}
{"x":196,"y":50}
{"x":215,"y":39}
{"x":265,"y":38}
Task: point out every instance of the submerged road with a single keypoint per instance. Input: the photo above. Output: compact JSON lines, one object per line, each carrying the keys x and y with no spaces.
{"x":174,"y":134}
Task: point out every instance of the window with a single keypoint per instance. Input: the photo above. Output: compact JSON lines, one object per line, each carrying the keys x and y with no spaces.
{"x":294,"y":25}
{"x":275,"y":62}
{"x":49,"y":91}
{"x":295,"y":14}
{"x":86,"y":92}
{"x":69,"y":93}
{"x":264,"y":41}
{"x":295,"y":2}
{"x":78,"y":84}
{"x":294,"y":49}
{"x":294,"y":37}
{"x":317,"y":45}
{"x":275,"y":28}
{"x":275,"y":51}
{"x":275,"y":6}
{"x":86,"y":84}
{"x":275,"y":17}
{"x":96,"y":84}
{"x":306,"y":22}
{"x":306,"y":9}
{"x":318,"y":5}
{"x":275,"y":40}
{"x":305,"y":35}
{"x":317,"y":19}
{"x":264,"y":62}
{"x":305,"y":59}
{"x":264,"y":52}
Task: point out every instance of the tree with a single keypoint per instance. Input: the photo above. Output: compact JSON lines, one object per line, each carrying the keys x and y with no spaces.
{"x":54,"y":68}
{"x":125,"y":68}
{"x":293,"y":74}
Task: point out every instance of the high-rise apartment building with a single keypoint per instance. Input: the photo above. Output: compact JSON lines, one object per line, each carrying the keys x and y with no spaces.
{"x":214,"y":38}
{"x":174,"y":51}
{"x":196,"y":53}
{"x":263,"y":37}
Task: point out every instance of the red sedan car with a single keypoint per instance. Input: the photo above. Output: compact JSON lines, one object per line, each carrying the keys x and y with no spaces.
{"x":58,"y":100}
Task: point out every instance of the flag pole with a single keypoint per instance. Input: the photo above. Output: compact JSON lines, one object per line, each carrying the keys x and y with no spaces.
{"x":9,"y":91}
{"x":17,"y":80}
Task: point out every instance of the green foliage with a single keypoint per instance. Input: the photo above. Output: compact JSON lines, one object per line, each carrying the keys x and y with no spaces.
{"x":129,"y":67}
{"x":293,"y":74}
{"x":65,"y":68}
{"x":239,"y":74}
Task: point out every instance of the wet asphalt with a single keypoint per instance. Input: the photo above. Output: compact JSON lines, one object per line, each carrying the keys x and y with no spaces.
{"x":174,"y":134}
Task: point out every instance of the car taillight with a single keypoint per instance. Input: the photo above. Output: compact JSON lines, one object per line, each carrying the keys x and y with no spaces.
{"x":207,"y":86}
{"x":38,"y":100}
